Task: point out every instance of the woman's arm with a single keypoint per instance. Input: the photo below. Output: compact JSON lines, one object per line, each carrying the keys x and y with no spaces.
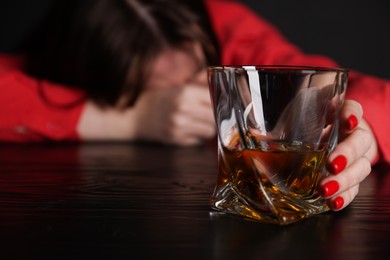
{"x":180,"y":116}
{"x":36,"y":110}
{"x":105,"y":124}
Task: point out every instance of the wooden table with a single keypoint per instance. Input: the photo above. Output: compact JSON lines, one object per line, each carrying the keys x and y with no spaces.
{"x":129,"y":201}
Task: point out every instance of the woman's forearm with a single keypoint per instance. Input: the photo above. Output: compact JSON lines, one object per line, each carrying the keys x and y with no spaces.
{"x":106,"y":124}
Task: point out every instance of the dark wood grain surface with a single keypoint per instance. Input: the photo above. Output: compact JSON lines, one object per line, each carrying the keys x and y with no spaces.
{"x":128,"y":201}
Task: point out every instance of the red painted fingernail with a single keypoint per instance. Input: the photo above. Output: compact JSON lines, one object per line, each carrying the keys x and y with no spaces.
{"x":337,"y":165}
{"x":351,"y":123}
{"x":337,"y":203}
{"x":329,"y":188}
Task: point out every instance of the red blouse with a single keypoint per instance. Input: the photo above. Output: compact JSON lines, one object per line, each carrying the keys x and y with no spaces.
{"x":28,"y":114}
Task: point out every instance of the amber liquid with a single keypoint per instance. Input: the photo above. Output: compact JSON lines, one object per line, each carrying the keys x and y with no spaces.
{"x":275,"y":181}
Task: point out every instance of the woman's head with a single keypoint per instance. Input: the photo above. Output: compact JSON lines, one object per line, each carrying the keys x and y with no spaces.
{"x":109,"y":47}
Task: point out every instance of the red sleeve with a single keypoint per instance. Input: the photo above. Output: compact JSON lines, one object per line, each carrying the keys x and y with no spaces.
{"x":374,"y":95}
{"x":246,"y":38}
{"x":34,"y":110}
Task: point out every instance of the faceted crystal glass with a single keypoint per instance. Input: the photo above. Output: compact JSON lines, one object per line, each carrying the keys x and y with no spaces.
{"x":276,"y":127}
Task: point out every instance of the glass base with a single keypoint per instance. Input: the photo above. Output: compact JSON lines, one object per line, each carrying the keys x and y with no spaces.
{"x":274,"y":210}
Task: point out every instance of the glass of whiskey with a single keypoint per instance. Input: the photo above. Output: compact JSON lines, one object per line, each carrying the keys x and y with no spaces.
{"x":276,"y":126}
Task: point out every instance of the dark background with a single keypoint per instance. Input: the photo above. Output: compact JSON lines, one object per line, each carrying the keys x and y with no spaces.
{"x":355,"y":33}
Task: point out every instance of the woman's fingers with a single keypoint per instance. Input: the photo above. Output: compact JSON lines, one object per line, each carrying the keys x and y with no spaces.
{"x":355,"y":139}
{"x":352,"y":148}
{"x":185,"y":128}
{"x":350,"y":162}
{"x":345,"y":185}
{"x":350,"y":116}
{"x":194,"y":103}
{"x":180,"y":116}
{"x":343,"y":199}
{"x":351,"y":176}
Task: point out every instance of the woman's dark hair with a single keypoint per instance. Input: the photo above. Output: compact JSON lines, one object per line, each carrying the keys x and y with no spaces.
{"x":106,"y":46}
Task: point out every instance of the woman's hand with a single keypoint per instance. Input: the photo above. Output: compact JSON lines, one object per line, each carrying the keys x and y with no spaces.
{"x":177,"y":115}
{"x":350,"y":162}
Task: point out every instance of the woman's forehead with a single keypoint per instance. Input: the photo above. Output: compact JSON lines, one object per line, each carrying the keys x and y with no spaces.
{"x":176,"y":66}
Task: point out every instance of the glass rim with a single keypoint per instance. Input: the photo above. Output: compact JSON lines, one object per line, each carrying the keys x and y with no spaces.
{"x":275,"y":67}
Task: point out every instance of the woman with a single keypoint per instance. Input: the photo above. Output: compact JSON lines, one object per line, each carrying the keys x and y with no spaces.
{"x":136,"y":70}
